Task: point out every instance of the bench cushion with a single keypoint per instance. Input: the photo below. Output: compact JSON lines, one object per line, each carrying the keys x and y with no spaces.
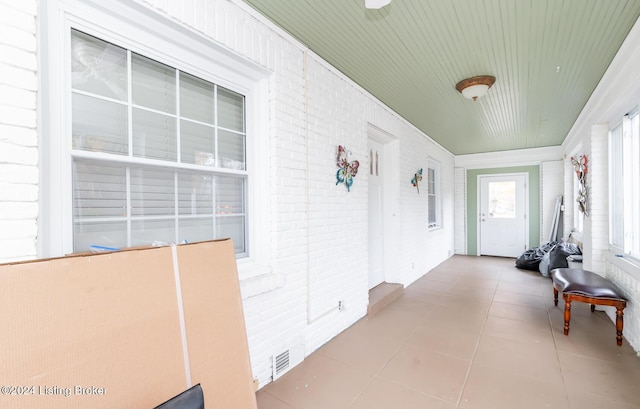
{"x":583,"y":282}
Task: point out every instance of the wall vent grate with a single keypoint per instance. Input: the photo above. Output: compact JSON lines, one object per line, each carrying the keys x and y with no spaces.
{"x":281,"y":364}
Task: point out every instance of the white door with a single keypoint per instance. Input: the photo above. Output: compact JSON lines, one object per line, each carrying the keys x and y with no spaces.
{"x":502,"y":220}
{"x":376,"y":272}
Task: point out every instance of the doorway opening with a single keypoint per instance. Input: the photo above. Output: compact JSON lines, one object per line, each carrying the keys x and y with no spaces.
{"x":502,"y":218}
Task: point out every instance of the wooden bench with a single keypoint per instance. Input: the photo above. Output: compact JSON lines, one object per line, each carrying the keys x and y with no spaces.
{"x":587,"y":287}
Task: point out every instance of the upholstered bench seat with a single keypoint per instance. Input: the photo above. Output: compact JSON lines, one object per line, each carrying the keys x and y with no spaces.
{"x":588,"y":287}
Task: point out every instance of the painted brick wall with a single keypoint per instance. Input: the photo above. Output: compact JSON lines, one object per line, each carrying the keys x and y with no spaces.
{"x":598,"y":182}
{"x":551,"y":186}
{"x":18,"y":130}
{"x":627,"y":278}
{"x":318,"y":231}
{"x":460,"y":212}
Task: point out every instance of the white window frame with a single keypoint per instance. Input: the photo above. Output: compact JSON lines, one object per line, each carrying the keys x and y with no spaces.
{"x":628,"y":189}
{"x":435,"y":165}
{"x":141,"y":29}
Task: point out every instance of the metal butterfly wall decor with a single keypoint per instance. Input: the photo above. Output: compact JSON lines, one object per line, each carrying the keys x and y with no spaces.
{"x":348,"y":170}
{"x":581,"y":168}
{"x":416,"y":179}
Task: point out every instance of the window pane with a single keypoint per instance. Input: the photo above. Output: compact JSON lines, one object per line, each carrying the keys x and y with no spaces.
{"x":230,"y":110}
{"x":106,"y":234}
{"x":145,"y":232}
{"x":502,"y":199}
{"x":197,"y":144}
{"x":229,"y":195}
{"x":99,"y":126}
{"x":196,"y":99}
{"x":98,"y":67}
{"x":234,"y":228}
{"x":231,"y":150}
{"x":617,"y":191}
{"x":195,"y":194}
{"x":635,"y":182}
{"x":99,"y":190}
{"x":152,"y":192}
{"x":198,"y":229}
{"x":153,"y":84}
{"x":154,"y":136}
{"x":432,"y":209}
{"x":431,"y":181}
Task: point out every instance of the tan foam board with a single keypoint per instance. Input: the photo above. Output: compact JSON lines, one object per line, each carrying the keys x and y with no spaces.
{"x":216,"y":335}
{"x":111,"y":323}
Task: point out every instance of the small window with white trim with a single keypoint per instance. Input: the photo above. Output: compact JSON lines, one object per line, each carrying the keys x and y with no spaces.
{"x":433,"y":194}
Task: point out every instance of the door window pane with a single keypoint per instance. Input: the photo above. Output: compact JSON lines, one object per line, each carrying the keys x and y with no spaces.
{"x":502,"y":200}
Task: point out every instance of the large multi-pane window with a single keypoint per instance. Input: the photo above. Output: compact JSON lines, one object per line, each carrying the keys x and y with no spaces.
{"x":624,"y":151}
{"x":158,"y":155}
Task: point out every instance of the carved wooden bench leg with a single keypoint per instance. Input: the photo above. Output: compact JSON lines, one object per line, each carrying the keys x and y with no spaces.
{"x":619,"y":323}
{"x":567,"y":313}
{"x":555,"y":297}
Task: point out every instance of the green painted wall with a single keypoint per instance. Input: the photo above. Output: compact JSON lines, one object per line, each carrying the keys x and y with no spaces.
{"x":472,"y":203}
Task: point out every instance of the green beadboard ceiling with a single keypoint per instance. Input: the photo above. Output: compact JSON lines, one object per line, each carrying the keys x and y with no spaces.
{"x":547,"y":57}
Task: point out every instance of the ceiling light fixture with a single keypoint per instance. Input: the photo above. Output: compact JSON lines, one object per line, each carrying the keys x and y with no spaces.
{"x":475,"y":87}
{"x":376,"y":4}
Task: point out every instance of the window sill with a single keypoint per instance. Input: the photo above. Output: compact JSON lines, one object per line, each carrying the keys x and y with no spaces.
{"x":256,"y":279}
{"x":626,"y":263}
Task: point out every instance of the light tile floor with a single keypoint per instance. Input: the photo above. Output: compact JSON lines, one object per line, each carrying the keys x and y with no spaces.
{"x":473,"y":333}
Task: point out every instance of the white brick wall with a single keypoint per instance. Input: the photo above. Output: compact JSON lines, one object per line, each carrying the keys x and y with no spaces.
{"x":598,"y":180}
{"x":319,"y":230}
{"x":551,"y":186}
{"x":460,"y":211}
{"x":18,"y":130}
{"x":627,"y":278}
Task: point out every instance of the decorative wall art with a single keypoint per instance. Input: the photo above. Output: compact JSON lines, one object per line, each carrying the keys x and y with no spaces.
{"x":348,"y":170}
{"x":417,"y":178}
{"x":581,"y":169}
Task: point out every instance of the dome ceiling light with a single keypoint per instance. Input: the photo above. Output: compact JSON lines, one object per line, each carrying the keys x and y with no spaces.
{"x":475,"y":87}
{"x":375,"y":4}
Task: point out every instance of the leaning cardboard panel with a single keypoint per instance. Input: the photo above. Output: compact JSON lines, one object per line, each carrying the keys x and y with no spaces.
{"x":97,"y":331}
{"x":214,"y":321}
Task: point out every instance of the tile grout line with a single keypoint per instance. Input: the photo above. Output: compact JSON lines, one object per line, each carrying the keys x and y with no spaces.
{"x":375,"y":375}
{"x":555,"y":345}
{"x":475,"y":350}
